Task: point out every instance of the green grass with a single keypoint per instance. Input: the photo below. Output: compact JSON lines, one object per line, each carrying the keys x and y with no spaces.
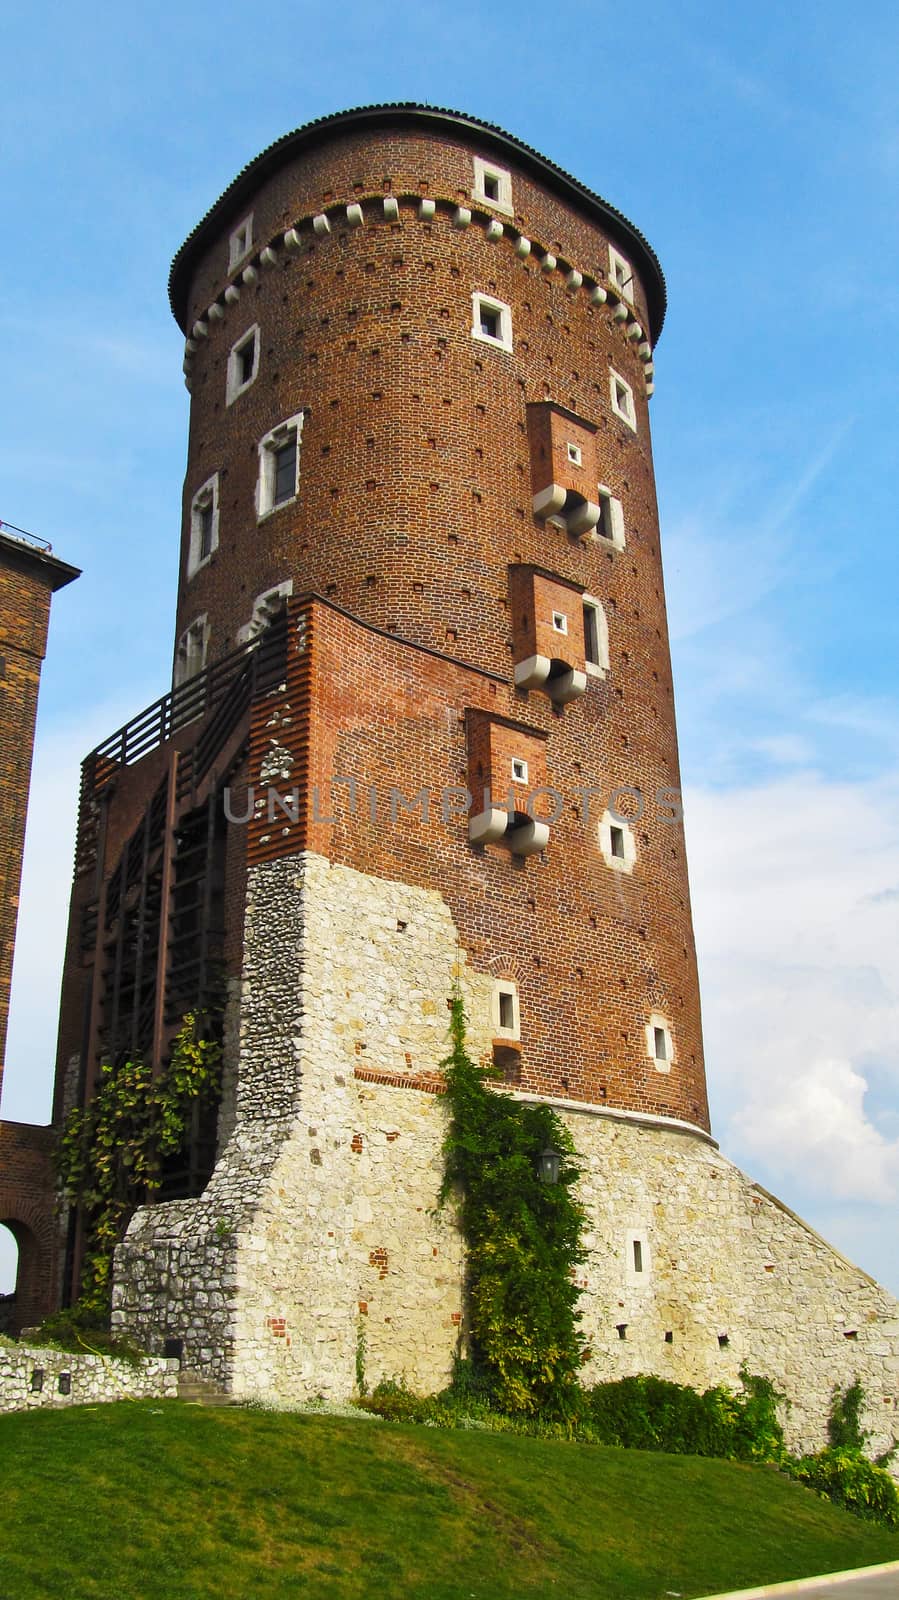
{"x":161,"y":1501}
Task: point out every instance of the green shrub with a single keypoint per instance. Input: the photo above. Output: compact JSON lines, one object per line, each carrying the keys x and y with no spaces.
{"x":647,"y":1413}
{"x":396,"y":1403}
{"x":77,"y":1329}
{"x":850,"y":1480}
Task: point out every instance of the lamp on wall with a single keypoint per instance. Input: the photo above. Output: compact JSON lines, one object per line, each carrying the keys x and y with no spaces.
{"x":550,"y":1165}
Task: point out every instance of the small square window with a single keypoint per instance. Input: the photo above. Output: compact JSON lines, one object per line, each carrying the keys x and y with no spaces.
{"x":240,"y":243}
{"x":243,"y":364}
{"x":491,"y":321}
{"x":519,"y":770}
{"x":616,"y":842}
{"x":505,"y":1013}
{"x":623,"y":400}
{"x":560,"y":622}
{"x":493,"y":185}
{"x":574,"y":454}
{"x":621,"y":274}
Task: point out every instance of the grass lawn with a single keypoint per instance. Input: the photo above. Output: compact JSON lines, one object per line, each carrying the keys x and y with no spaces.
{"x":161,"y":1501}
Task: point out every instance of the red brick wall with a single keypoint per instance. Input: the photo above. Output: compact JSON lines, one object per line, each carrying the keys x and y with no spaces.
{"x":415,"y":477}
{"x":28,"y":1209}
{"x":596,"y":950}
{"x":24,"y":618}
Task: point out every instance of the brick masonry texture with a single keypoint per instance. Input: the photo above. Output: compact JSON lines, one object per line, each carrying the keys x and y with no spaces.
{"x":28,"y":577}
{"x":418,"y":576}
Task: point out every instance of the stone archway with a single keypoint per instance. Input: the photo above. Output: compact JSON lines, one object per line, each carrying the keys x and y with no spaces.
{"x":33,"y":1232}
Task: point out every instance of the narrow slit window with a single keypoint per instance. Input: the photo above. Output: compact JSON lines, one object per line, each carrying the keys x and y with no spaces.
{"x":506,"y":1010}
{"x":207,"y":530}
{"x":661,"y":1043}
{"x":638,"y":1255}
{"x":616,"y":841}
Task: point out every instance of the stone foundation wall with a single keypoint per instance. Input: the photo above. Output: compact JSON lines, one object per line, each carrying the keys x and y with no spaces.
{"x":318,"y":1251}
{"x":32,"y":1376}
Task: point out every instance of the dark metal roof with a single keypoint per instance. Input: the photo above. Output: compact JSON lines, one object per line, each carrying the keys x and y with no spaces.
{"x":410,"y":114}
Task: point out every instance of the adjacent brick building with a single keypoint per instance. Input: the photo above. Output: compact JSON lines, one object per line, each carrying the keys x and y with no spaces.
{"x":29,"y":576}
{"x":421,"y":733}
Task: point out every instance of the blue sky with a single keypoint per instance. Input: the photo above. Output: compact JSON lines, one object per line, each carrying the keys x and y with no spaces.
{"x":758,"y":149}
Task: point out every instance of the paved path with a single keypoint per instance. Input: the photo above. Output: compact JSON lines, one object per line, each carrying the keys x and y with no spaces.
{"x":871,"y":1583}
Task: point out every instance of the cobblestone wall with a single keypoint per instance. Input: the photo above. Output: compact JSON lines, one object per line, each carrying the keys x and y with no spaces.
{"x":32,"y":1376}
{"x":318,"y":1245}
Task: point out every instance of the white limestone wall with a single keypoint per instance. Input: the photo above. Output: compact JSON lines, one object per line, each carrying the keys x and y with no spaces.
{"x":318,"y":1242}
{"x":32,"y":1376}
{"x":264,"y":1277}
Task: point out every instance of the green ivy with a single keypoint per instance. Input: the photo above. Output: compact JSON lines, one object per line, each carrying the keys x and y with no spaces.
{"x":111,"y":1152}
{"x":522,"y":1236}
{"x":850,"y":1480}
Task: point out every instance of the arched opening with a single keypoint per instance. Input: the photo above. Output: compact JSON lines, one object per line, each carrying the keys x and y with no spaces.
{"x":9,"y":1271}
{"x":31,"y":1250}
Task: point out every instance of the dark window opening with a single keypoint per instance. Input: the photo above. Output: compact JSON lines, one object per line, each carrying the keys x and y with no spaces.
{"x":638,"y":1256}
{"x":65,"y":1383}
{"x":246,"y":357}
{"x":661,"y":1044}
{"x":491,"y":186}
{"x":207,"y":521}
{"x":491,"y":322}
{"x":622,"y":1329}
{"x":285,"y":472}
{"x":37,"y":1380}
{"x":723,"y":1341}
{"x":591,"y":636}
{"x":616,"y":838}
{"x":506,"y":1010}
{"x":669,"y":1337}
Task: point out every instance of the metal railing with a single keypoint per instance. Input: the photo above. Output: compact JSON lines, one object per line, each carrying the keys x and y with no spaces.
{"x":225,"y":688}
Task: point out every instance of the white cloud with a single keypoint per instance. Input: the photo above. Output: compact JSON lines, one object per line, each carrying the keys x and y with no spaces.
{"x":43,"y":909}
{"x":797,"y":927}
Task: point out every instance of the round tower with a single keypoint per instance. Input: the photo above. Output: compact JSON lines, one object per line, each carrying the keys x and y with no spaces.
{"x":420,"y":360}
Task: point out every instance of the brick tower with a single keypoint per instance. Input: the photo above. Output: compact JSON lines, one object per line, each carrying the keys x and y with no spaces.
{"x":29,"y":576}
{"x":421,"y":732}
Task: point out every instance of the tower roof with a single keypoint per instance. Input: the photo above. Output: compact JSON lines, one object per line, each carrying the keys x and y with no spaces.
{"x":408,"y":114}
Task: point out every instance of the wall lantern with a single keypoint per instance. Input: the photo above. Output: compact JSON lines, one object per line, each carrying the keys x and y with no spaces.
{"x":550,"y":1165}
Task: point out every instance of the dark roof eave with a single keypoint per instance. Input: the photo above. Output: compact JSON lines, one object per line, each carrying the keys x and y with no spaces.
{"x":27,"y":556}
{"x":410,"y":113}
